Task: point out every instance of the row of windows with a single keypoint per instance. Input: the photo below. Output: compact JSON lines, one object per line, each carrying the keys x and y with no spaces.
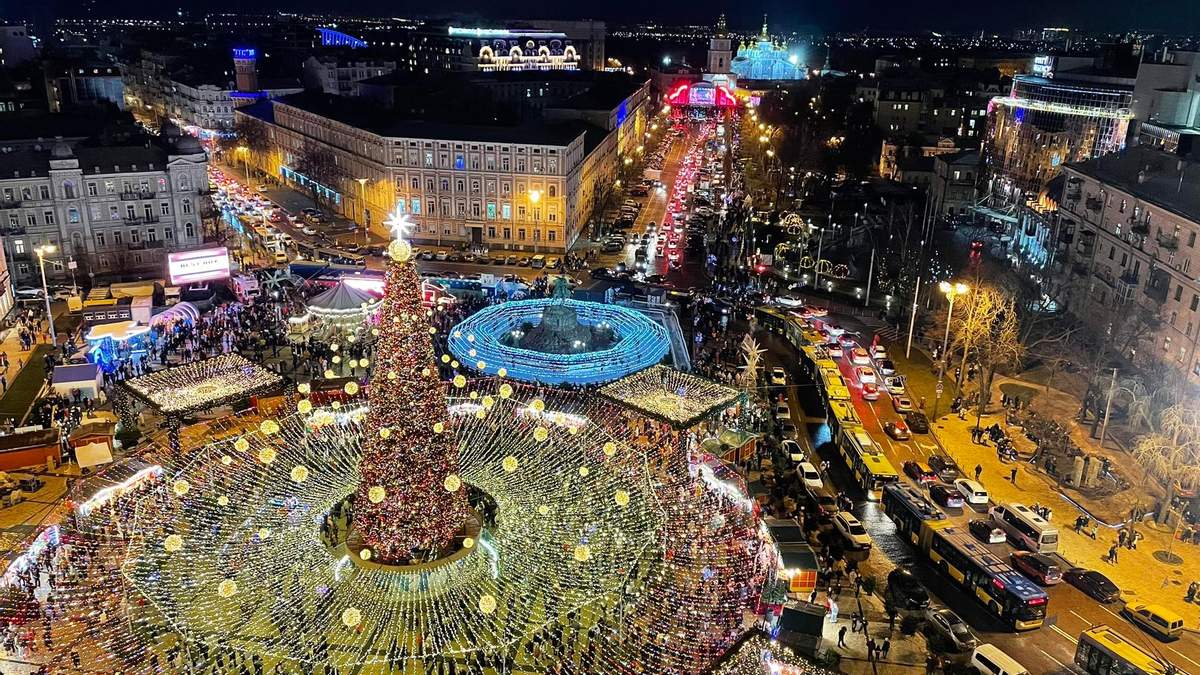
{"x":477,"y":210}
{"x":488,"y":162}
{"x":116,"y":237}
{"x":95,"y":189}
{"x":443,"y":184}
{"x":131,"y":212}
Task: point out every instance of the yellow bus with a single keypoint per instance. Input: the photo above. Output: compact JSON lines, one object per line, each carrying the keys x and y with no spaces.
{"x":1103,"y":651}
{"x":842,"y":415}
{"x":833,"y":386}
{"x":866,"y":461}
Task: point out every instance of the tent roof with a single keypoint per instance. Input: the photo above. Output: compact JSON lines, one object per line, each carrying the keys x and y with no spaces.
{"x":84,"y":372}
{"x":341,"y":298}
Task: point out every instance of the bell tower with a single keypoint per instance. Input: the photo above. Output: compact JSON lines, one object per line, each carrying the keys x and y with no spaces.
{"x":720,"y":50}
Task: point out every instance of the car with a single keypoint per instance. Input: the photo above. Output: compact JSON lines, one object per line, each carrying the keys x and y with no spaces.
{"x":596,"y":273}
{"x":778,"y":377}
{"x":309,"y":230}
{"x":945,"y":495}
{"x":885,"y":366}
{"x":894,"y":384}
{"x":902,"y":404}
{"x":851,"y":530}
{"x":823,"y":503}
{"x":918,"y":423}
{"x":442,"y":255}
{"x":1037,"y":566}
{"x":1092,"y":583}
{"x":834,"y":329}
{"x":469,"y":257}
{"x":787,"y":429}
{"x":919,"y":472}
{"x":61,"y":294}
{"x":612,"y":247}
{"x":904,"y":590}
{"x":281,"y":257}
{"x":972,"y":491}
{"x":835,"y":350}
{"x":792,"y":449}
{"x":986,"y":531}
{"x":523,"y":261}
{"x":870,"y":391}
{"x":1154,"y":619}
{"x":483,"y":259}
{"x":897,"y":429}
{"x":262,"y":188}
{"x":425,"y":255}
{"x":510,"y":260}
{"x":945,"y":468}
{"x":537,"y":262}
{"x":454,"y":256}
{"x":809,"y":475}
{"x":950,"y":626}
{"x":847,"y":341}
{"x":878,"y":352}
{"x":859,"y":356}
{"x":865,"y":374}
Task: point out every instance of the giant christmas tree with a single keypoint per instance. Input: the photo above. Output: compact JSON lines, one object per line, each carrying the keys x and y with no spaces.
{"x":410,"y":503}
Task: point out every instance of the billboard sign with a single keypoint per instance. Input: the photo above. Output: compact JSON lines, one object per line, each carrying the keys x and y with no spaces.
{"x":206,"y":264}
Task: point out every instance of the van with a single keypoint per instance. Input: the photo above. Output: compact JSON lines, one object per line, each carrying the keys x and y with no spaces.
{"x":989,"y":660}
{"x":1155,"y":619}
{"x":1025,"y":529}
{"x":537,"y":262}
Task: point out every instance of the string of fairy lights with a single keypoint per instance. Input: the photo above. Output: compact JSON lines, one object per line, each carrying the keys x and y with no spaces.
{"x":591,"y":555}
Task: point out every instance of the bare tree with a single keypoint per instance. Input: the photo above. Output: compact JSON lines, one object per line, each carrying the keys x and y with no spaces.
{"x":1172,"y":455}
{"x":319,"y":165}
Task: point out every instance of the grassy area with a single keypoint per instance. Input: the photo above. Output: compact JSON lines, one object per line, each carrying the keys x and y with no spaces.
{"x":24,"y":389}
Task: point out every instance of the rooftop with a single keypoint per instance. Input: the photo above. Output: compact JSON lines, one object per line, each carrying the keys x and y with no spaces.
{"x":1161,"y":178}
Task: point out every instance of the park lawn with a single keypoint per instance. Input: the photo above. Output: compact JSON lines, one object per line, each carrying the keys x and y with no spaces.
{"x":25,"y":387}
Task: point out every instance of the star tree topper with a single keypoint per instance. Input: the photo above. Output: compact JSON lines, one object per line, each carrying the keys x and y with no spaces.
{"x":399,"y":224}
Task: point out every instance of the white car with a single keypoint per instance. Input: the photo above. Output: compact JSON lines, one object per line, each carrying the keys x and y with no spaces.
{"x":972,"y":491}
{"x":28,"y":292}
{"x":835,"y":350}
{"x":793,"y":450}
{"x":859,"y":356}
{"x":902,"y":404}
{"x":310,"y":230}
{"x":894,"y":385}
{"x":865,"y":374}
{"x":778,"y":377}
{"x":782,"y":410}
{"x":851,"y":530}
{"x":809,"y":475}
{"x":878,"y":352}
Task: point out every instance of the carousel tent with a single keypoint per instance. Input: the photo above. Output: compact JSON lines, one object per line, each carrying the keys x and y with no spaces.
{"x":342,"y":304}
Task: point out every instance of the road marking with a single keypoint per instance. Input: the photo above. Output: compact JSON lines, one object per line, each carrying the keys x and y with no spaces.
{"x":1183,"y":656}
{"x":1112,"y":612}
{"x":1047,"y":655}
{"x":1086,"y":621}
{"x":1065,"y":634}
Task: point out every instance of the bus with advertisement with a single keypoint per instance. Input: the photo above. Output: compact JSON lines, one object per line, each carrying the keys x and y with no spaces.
{"x":866,"y":461}
{"x":1103,"y":651}
{"x":1005,"y":592}
{"x":914,"y":515}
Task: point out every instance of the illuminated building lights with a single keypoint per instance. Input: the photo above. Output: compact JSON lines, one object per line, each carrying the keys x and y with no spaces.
{"x":1065,"y":108}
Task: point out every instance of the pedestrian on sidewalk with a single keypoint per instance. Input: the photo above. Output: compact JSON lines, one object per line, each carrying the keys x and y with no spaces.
{"x":842,"y":636}
{"x":885,"y":648}
{"x":870,"y":649}
{"x":1122,"y":535}
{"x":978,"y":467}
{"x":1012,"y":476}
{"x":1112,"y":554}
{"x":853,"y":622}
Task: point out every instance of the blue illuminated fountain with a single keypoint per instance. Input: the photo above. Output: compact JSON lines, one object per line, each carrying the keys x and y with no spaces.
{"x":559,"y":340}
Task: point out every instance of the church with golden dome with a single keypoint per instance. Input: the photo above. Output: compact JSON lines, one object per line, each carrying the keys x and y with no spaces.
{"x":767,"y":59}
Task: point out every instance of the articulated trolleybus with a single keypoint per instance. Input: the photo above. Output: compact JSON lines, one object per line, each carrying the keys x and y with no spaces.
{"x":1015,"y":600}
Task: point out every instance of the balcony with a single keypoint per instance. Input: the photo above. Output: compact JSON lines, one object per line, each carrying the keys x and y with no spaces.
{"x":1168,"y":241}
{"x":137,"y":194}
{"x":154,"y":243}
{"x":1129,"y":277}
{"x":1093,"y":204}
{"x":13,"y":231}
{"x":136,"y":246}
{"x":1139,"y":227}
{"x":149,"y":219}
{"x":134,"y":220}
{"x":1156,"y":287}
{"x":10,"y":204}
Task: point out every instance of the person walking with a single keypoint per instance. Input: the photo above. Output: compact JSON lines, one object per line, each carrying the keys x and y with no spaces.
{"x":1112,"y":554}
{"x":842,"y":636}
{"x":885,"y":648}
{"x":978,"y":468}
{"x":870,"y":649}
{"x":1012,"y":476}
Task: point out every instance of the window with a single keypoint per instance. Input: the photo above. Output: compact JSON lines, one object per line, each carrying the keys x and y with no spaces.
{"x":164,"y":208}
{"x":130,"y":212}
{"x":151,"y":234}
{"x":521,"y":234}
{"x":68,"y":190}
{"x":459,"y":162}
{"x":553,"y":191}
{"x":148,"y":210}
{"x":1122,"y":209}
{"x":416,"y":205}
{"x":100,"y":243}
{"x":552,"y":235}
{"x":1112,"y":251}
{"x":19,"y":246}
{"x":186,"y":206}
{"x":491,"y":211}
{"x":1178,"y":292}
{"x":506,"y":211}
{"x":116,"y":237}
{"x":1195,"y":302}
{"x":135,"y":237}
{"x":508,"y":233}
{"x":491,"y":232}
{"x":31,"y":218}
{"x":428,"y":158}
{"x":401,"y":204}
{"x":110,"y":187}
{"x":957,"y":174}
{"x":189,"y":230}
{"x":26,"y":193}
{"x":169,"y":234}
{"x":44,"y":191}
{"x":73,"y":215}
{"x":49,"y":216}
{"x":1191,"y":239}
{"x":92,"y":190}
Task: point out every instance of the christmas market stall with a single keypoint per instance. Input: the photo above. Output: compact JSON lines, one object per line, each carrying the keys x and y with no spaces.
{"x":341,"y":310}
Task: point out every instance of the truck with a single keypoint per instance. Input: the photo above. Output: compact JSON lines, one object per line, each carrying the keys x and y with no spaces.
{"x":245,"y":287}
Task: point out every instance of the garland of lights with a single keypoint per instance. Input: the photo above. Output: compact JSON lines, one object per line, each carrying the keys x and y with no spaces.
{"x":202,"y":385}
{"x":670,"y":395}
{"x":477,"y":342}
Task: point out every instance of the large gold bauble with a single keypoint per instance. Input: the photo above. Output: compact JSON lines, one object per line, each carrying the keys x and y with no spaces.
{"x":351,"y":617}
{"x":399,"y":250}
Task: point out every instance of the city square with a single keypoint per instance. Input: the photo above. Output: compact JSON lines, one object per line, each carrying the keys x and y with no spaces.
{"x":678,"y":340}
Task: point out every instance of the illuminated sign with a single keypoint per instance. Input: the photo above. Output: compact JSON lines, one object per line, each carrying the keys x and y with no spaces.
{"x":702,"y":96}
{"x":455,"y":31}
{"x":244,"y":53}
{"x":206,"y":264}
{"x":1043,"y":66}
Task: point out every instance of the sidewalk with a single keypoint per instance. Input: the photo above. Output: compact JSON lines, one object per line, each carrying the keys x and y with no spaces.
{"x":907,"y":653}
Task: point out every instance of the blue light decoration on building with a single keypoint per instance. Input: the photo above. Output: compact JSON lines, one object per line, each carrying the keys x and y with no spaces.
{"x":336,"y":38}
{"x":244,"y":53}
{"x":622,"y":112}
{"x":477,"y":340}
{"x":767,"y":60}
{"x":310,"y":184}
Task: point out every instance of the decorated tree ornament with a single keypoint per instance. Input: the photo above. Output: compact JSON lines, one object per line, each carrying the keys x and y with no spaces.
{"x":172,"y":543}
{"x":227,"y":588}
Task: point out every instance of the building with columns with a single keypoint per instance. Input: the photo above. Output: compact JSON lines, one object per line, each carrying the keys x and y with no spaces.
{"x":114,"y":208}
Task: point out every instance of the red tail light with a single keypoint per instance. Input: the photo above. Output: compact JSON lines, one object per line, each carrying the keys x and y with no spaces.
{"x":1036,"y":602}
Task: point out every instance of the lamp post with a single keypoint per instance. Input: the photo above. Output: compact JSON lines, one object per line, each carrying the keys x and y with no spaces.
{"x":244,"y":151}
{"x":952,"y":291}
{"x":362,"y":208}
{"x":41,"y":254}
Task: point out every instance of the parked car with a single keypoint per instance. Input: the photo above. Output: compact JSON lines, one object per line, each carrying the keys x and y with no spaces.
{"x":809,"y":475}
{"x":835,"y":350}
{"x":1037,"y":566}
{"x":902,"y":404}
{"x":919,"y":472}
{"x":950,"y":626}
{"x":1092,"y":583}
{"x":309,"y":230}
{"x":897,"y":429}
{"x":510,"y":260}
{"x":886,"y":366}
{"x":778,"y":377}
{"x":822,"y":502}
{"x":946,"y":496}
{"x":852,"y":531}
{"x":1154,"y":619}
{"x":878,"y":352}
{"x":904,"y":591}
{"x":945,"y":468}
{"x":918,"y":423}
{"x":523,"y":261}
{"x":859,"y":356}
{"x":986,"y":531}
{"x":972,"y":491}
{"x":865,"y":374}
{"x":441,"y":255}
{"x":792,"y":449}
{"x":894,"y":384}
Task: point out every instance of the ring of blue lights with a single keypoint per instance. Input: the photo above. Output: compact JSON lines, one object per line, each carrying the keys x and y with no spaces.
{"x":642,"y":343}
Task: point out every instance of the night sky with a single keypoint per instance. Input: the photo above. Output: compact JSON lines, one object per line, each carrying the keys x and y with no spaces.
{"x":1172,"y":16}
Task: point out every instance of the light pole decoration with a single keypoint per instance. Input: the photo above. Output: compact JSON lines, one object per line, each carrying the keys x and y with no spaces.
{"x":411,"y":502}
{"x":362,"y":208}
{"x":41,"y":254}
{"x":952,"y":291}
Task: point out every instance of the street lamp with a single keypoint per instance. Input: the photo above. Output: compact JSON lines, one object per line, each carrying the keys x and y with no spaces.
{"x":41,"y":254}
{"x":362,"y":198}
{"x":952,"y":291}
{"x":244,"y":151}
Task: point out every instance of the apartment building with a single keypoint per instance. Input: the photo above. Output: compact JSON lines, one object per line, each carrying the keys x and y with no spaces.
{"x":1130,"y":223}
{"x":113,"y":208}
{"x":523,"y":185}
{"x":339,"y":74}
